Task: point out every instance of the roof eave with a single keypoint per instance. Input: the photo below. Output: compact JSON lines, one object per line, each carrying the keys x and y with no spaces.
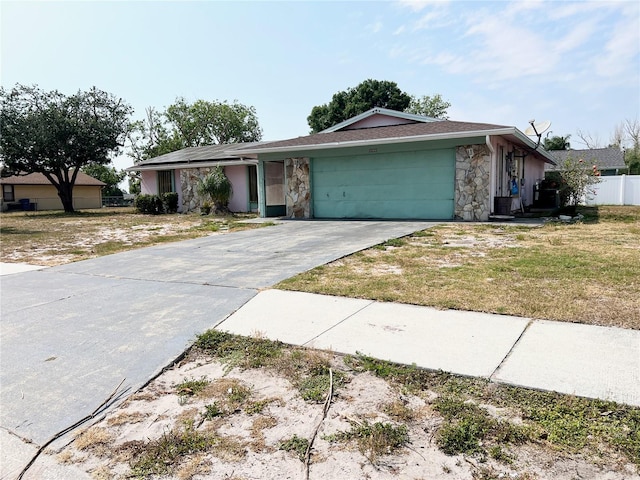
{"x":534,"y":146}
{"x":192,"y":164}
{"x":380,"y":141}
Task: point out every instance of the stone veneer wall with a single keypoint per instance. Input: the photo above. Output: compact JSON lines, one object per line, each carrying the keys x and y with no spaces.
{"x":473,"y":183}
{"x":297,"y":187}
{"x":189,"y":178}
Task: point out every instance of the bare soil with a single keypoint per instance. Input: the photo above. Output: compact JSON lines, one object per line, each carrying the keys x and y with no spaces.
{"x":249,"y":436}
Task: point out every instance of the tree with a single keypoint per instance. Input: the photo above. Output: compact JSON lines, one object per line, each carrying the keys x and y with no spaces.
{"x":211,"y":123}
{"x":557,"y":143}
{"x":577,"y":180}
{"x":185,"y":124}
{"x":427,"y":106}
{"x":56,"y":135}
{"x":217,"y":187}
{"x":590,"y":140}
{"x":108,"y":175}
{"x":626,"y":137}
{"x":151,"y":137}
{"x":354,"y":101}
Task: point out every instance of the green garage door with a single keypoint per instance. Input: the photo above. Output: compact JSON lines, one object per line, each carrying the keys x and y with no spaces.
{"x":397,"y":185}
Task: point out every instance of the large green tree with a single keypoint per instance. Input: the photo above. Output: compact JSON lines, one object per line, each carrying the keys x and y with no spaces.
{"x":185,"y":124}
{"x":435,"y":106}
{"x":57,"y":135}
{"x":108,"y":175}
{"x":357,"y":100}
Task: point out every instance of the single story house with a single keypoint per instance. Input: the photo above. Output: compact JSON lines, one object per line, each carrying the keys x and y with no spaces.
{"x":181,"y":170}
{"x":610,"y":160}
{"x":394,"y":165}
{"x":35,"y":192}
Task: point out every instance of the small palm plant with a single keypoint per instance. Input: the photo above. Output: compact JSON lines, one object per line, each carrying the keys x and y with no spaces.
{"x":217,"y":187}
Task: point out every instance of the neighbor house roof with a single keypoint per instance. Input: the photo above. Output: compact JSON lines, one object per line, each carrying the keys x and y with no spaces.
{"x":609,"y":158}
{"x":40,"y":179}
{"x":192,"y":157}
{"x":411,"y":132}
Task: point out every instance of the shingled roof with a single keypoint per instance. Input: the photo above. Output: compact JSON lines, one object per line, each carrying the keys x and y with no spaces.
{"x":40,"y":179}
{"x":609,"y":158}
{"x":385,"y":132}
{"x":192,"y":157}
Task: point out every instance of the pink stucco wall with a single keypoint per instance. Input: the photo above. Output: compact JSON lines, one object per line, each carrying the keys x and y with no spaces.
{"x":149,"y":182}
{"x":533,"y":171}
{"x":378,"y":121}
{"x":237,"y":175}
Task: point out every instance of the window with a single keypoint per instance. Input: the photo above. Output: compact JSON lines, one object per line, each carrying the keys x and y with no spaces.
{"x":253,"y":184}
{"x":165,"y":181}
{"x":8,"y":195}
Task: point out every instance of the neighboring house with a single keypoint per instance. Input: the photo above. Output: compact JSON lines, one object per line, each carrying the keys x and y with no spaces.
{"x":389,"y":164}
{"x":610,"y":160}
{"x":37,"y":193}
{"x":181,"y":170}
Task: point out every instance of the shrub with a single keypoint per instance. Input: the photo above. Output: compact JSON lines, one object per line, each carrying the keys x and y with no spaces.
{"x":576,"y":181}
{"x":149,"y":204}
{"x":217,"y":187}
{"x":170,"y":202}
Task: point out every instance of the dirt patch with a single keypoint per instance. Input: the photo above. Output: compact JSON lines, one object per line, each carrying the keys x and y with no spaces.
{"x":253,"y":423}
{"x":50,"y":238}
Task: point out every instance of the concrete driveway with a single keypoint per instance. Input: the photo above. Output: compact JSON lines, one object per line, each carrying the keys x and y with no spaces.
{"x":70,"y":334}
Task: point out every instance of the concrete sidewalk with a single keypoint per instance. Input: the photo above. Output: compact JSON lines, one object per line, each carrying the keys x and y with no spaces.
{"x":11,"y":268}
{"x":583,"y":360}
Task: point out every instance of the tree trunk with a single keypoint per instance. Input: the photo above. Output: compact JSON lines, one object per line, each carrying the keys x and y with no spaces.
{"x":65,"y":192}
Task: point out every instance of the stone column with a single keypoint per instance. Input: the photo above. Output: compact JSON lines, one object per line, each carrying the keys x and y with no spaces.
{"x":297,"y":187}
{"x":473,"y":183}
{"x":189,"y":178}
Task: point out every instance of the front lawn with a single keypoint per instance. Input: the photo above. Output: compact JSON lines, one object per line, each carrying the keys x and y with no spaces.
{"x":586,"y":272}
{"x":55,"y":238}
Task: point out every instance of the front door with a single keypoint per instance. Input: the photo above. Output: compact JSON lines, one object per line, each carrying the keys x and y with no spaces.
{"x":274,"y":189}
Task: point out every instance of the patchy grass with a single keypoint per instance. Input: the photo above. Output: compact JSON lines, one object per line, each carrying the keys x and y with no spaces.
{"x":583,"y":272}
{"x":163,"y":455}
{"x":93,"y":438}
{"x":54,"y":238}
{"x":565,"y":422}
{"x":469,"y":427}
{"x":295,"y":444}
{"x":188,"y":388}
{"x":307,"y":369}
{"x":235,"y":422}
{"x":373,"y":439}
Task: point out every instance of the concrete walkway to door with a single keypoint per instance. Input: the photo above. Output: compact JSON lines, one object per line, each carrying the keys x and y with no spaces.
{"x":70,"y":334}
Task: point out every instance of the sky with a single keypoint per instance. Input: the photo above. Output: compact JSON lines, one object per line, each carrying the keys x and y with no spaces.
{"x":576,"y":64}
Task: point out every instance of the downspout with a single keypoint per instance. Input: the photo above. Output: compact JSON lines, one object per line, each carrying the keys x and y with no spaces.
{"x":487,"y":140}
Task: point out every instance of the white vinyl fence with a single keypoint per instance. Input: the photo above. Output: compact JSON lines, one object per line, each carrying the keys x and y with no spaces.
{"x":617,"y":190}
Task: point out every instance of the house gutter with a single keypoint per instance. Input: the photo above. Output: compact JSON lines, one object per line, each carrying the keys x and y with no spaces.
{"x":190,"y":164}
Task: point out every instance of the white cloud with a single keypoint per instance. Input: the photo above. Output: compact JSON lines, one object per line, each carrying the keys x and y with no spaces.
{"x":427,"y":20}
{"x":419,"y":5}
{"x":621,"y":52}
{"x":399,"y":30}
{"x":375,"y":27}
{"x":578,"y":35}
{"x":517,"y":9}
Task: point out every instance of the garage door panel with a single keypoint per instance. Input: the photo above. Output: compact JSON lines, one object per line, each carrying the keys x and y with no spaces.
{"x":400,"y":185}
